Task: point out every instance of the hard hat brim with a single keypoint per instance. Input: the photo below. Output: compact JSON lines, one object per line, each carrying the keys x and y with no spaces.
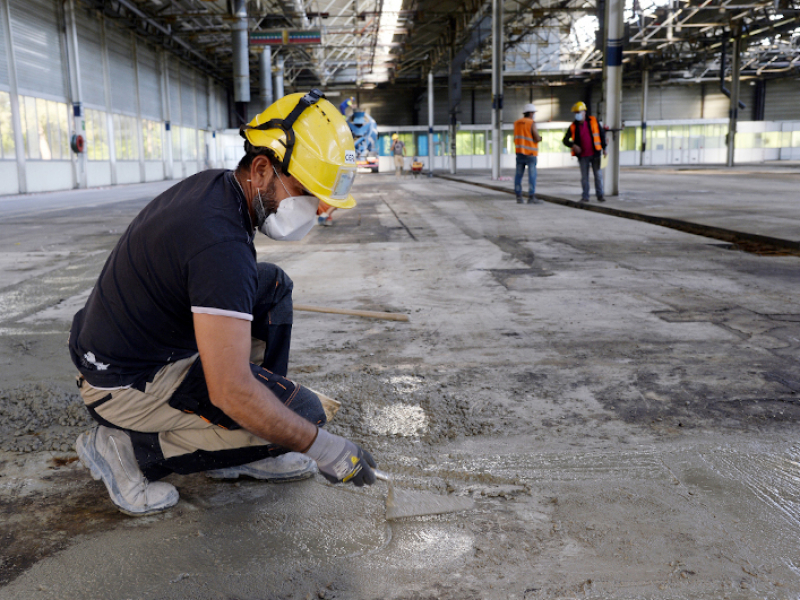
{"x":348,"y":202}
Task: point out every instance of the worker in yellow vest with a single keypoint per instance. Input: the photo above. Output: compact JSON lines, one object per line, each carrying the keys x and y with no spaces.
{"x":526,"y":142}
{"x":588,"y":141}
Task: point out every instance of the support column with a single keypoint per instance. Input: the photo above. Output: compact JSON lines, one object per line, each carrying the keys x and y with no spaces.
{"x":645,"y":93}
{"x":734,"y":109}
{"x":278,"y":87}
{"x":265,"y":77}
{"x":76,"y":95}
{"x":430,"y":124}
{"x":169,"y":170}
{"x":139,"y":139}
{"x":613,"y":92}
{"x":241,"y":58}
{"x":497,"y":86}
{"x":16,"y":120}
{"x":454,"y":80}
{"x":112,"y":149}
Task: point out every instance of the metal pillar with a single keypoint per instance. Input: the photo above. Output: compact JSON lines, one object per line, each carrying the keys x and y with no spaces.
{"x":497,"y":86}
{"x":139,"y":135}
{"x":454,"y":89}
{"x":613,"y":91}
{"x":16,"y":119}
{"x":645,"y":93}
{"x":112,"y":147}
{"x":736,"y":64}
{"x":279,"y":74}
{"x":265,"y":77}
{"x":169,"y":165}
{"x":78,"y":118}
{"x":241,"y":58}
{"x":430,"y":124}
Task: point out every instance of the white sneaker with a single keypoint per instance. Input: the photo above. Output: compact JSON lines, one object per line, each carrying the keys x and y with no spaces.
{"x":291,"y":466}
{"x":108,"y":454}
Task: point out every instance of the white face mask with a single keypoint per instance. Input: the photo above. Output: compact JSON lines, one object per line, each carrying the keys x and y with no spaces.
{"x":295,"y":217}
{"x":580,"y":116}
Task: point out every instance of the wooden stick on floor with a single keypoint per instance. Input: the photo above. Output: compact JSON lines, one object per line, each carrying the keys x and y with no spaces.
{"x":370,"y":314}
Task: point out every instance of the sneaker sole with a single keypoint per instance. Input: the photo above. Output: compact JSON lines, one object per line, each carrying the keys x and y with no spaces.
{"x":101,"y":471}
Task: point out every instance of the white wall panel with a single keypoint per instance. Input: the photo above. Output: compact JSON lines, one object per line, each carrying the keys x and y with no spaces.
{"x":188,"y":109}
{"x":90,"y":56}
{"x":4,"y":82}
{"x":174,"y":90}
{"x":37,"y":48}
{"x":149,"y":82}
{"x":121,"y":70}
{"x":201,"y":91}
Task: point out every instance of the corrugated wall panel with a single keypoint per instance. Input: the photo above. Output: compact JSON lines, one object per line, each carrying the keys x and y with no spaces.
{"x":188,"y":94}
{"x":121,"y":70}
{"x":174,"y":90}
{"x":782,"y":100}
{"x":4,"y":83}
{"x":716,"y":105}
{"x":201,"y":87}
{"x":37,"y":48}
{"x":90,"y":56}
{"x":149,"y":82}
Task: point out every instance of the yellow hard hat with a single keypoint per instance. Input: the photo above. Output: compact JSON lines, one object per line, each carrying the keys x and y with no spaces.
{"x":394,"y":136}
{"x":578,"y":107}
{"x":312,"y":141}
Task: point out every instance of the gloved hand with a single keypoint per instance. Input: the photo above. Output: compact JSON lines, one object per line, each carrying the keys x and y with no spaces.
{"x":341,"y":461}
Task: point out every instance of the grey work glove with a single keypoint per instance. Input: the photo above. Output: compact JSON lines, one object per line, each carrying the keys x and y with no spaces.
{"x":341,"y":461}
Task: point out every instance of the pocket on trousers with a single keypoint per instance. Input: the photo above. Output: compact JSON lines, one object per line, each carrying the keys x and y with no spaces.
{"x":192,"y":397}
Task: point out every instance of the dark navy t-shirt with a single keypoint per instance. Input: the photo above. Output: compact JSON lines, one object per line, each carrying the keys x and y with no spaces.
{"x":189,"y":250}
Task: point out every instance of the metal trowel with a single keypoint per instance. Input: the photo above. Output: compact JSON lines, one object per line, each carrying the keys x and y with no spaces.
{"x":405,"y":503}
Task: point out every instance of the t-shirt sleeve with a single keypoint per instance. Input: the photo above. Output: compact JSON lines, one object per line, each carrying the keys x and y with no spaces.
{"x":223,"y":280}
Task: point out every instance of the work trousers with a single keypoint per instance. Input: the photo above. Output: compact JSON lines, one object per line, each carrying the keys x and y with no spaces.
{"x":399,"y":164}
{"x":173,"y":425}
{"x":593,"y":162}
{"x":523,"y":160}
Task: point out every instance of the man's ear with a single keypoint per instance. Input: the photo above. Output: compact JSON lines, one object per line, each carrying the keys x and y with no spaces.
{"x":261,"y":170}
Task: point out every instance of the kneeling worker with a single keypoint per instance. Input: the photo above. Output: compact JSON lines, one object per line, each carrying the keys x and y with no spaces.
{"x":183,"y":345}
{"x":587,"y":140}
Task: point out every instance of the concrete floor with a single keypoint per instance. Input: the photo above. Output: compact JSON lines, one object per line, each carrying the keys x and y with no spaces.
{"x":619,"y":399}
{"x":762,"y":199}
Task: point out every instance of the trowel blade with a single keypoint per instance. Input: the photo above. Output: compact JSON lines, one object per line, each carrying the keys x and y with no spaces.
{"x":404,"y":503}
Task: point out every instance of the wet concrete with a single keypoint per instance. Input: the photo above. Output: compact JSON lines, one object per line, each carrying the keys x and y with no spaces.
{"x":619,"y":400}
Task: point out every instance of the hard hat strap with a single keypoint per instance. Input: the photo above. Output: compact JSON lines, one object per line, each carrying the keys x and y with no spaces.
{"x":286,"y":125}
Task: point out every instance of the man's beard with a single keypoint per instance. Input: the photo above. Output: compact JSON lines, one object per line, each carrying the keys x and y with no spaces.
{"x":265,"y":204}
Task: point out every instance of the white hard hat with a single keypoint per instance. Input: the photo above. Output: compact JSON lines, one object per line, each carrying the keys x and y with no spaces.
{"x":529,"y":108}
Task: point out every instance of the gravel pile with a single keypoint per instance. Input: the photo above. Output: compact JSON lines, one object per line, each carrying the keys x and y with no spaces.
{"x":40,"y":417}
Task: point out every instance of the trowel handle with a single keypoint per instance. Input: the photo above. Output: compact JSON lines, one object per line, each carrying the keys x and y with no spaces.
{"x":382,"y":475}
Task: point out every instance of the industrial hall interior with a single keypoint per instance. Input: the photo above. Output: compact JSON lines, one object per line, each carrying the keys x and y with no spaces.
{"x":399,"y":299}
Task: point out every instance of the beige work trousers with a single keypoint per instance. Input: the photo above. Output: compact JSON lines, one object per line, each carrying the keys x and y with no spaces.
{"x":179,"y":432}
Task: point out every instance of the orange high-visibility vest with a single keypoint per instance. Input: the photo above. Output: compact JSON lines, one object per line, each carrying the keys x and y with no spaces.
{"x":523,"y":139}
{"x":594,"y":126}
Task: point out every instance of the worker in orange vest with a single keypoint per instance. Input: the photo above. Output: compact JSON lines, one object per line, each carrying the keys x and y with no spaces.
{"x":588,"y":141}
{"x":526,"y":142}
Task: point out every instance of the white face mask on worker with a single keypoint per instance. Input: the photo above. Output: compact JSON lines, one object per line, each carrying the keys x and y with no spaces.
{"x":580,"y":116}
{"x":294,"y":218}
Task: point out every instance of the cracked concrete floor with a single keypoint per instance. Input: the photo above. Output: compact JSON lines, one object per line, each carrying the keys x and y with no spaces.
{"x":619,"y":399}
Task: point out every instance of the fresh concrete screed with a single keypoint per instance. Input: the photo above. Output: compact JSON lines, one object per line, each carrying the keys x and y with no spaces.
{"x":618,"y":399}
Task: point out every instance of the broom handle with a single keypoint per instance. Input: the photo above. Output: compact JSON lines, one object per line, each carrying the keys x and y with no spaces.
{"x":370,"y":314}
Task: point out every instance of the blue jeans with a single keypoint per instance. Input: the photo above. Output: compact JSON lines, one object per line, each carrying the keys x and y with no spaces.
{"x":592,"y":162}
{"x":524,"y":160}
